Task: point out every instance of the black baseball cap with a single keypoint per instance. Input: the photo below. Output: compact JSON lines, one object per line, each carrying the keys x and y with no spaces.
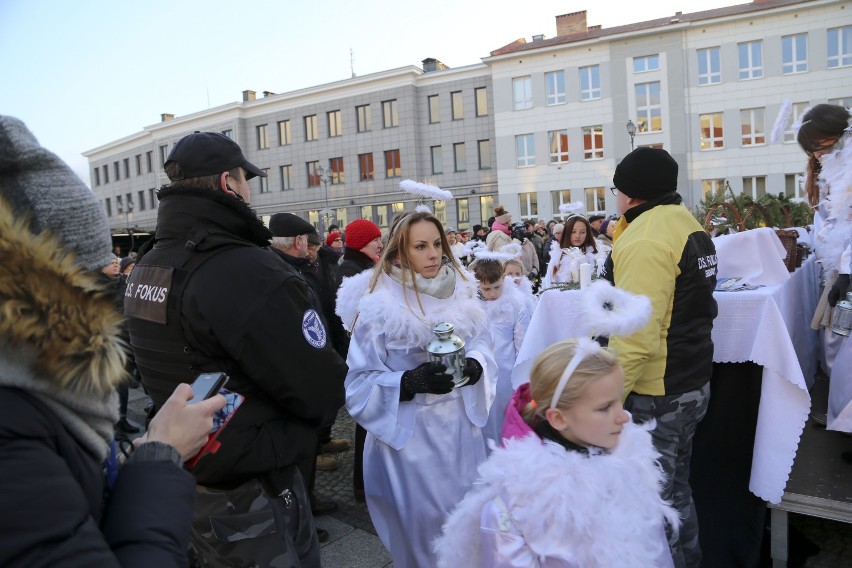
{"x":209,"y":153}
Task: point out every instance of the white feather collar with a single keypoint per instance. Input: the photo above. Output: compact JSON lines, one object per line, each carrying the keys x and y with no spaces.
{"x":508,"y":306}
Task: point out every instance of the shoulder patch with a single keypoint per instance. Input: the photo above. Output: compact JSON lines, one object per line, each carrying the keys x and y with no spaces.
{"x":313,"y":329}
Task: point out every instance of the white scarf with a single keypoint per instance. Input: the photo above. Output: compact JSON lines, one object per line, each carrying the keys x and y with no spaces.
{"x":441,"y":286}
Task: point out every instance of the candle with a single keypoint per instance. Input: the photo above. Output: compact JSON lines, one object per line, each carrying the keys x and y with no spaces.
{"x":585,"y":274}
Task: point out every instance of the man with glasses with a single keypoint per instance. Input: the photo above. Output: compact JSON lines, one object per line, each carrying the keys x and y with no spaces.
{"x":662,"y":252}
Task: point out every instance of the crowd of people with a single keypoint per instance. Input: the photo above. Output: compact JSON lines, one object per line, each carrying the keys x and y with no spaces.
{"x":587,"y":464}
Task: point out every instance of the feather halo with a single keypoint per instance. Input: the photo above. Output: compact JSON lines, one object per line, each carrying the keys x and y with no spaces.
{"x":781,"y":121}
{"x":614,"y":311}
{"x":576,"y":208}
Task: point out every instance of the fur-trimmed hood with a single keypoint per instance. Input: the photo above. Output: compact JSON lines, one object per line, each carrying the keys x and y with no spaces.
{"x":56,"y":319}
{"x":601,"y":509}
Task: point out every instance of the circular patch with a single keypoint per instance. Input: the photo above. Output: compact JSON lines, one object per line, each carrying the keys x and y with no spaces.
{"x":313,"y":329}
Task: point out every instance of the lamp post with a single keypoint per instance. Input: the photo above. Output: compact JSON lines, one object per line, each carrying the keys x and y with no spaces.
{"x":325,"y":214}
{"x":631,"y":131}
{"x":127,"y":221}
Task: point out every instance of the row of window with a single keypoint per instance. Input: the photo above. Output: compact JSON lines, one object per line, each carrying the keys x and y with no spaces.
{"x":755,"y":186}
{"x":480,"y":103}
{"x":101,"y":174}
{"x":125,"y":205}
{"x":794,"y":59}
{"x":593,"y":146}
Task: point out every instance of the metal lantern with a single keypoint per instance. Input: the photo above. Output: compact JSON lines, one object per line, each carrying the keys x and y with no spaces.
{"x":841,"y":317}
{"x":448,"y":349}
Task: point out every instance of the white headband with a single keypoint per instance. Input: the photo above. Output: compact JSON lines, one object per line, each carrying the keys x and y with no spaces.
{"x":585,"y":348}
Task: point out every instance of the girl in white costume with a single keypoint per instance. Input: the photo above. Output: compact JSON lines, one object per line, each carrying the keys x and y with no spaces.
{"x":580,"y":489}
{"x":424,"y":439}
{"x":576,"y":246}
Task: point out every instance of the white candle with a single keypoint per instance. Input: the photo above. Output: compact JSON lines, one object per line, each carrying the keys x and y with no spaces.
{"x":585,"y":274}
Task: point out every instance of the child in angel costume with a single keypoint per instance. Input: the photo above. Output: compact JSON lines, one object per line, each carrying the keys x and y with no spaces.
{"x":576,"y":247}
{"x":424,"y":438}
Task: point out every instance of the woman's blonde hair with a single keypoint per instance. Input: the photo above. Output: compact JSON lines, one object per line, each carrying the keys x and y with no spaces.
{"x":548,"y":368}
{"x":395,"y":252}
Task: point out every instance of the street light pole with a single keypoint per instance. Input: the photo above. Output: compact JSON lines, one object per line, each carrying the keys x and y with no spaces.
{"x":127,"y":221}
{"x":631,"y":131}
{"x":326,"y":212}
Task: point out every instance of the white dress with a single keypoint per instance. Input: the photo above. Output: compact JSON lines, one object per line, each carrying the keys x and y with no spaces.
{"x":564,"y":265}
{"x":538,"y":505}
{"x":420,"y":456}
{"x":508,"y":319}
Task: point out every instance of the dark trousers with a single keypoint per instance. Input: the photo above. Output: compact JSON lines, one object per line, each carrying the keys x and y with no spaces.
{"x":358,"y":465}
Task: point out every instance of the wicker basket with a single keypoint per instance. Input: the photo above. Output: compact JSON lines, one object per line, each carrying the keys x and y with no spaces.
{"x":790,"y":239}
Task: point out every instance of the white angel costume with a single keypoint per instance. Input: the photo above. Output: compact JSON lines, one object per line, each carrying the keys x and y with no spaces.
{"x":538,"y":505}
{"x":508,"y":319}
{"x":564,"y":265}
{"x":420,"y":456}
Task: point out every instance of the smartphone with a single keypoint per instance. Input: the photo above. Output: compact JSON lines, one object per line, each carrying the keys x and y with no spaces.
{"x":206,"y":385}
{"x":220,"y":420}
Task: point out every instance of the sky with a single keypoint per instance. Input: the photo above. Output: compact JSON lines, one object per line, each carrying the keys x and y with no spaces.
{"x":83,"y":73}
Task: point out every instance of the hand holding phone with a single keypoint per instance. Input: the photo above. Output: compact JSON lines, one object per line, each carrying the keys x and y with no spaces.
{"x":206,"y":385}
{"x":220,"y":420}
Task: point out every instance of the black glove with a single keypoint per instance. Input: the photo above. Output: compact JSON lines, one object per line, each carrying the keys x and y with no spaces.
{"x":426,"y":378}
{"x":472,"y":370}
{"x":838,"y":291}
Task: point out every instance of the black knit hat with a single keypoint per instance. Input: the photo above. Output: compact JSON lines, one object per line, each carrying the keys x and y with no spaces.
{"x":646,"y":173}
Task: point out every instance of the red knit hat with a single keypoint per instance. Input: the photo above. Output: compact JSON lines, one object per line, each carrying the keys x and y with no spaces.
{"x":360,"y":232}
{"x":332,"y":236}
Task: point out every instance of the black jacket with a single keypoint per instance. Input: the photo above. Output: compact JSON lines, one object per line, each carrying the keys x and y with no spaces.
{"x":322,"y":276}
{"x":55,"y":512}
{"x":354,"y":261}
{"x":248,"y":313}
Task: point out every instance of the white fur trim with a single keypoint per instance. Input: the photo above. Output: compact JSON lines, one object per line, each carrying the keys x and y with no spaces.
{"x":424,"y":189}
{"x":508,"y":306}
{"x":350,"y":292}
{"x":614,"y":311}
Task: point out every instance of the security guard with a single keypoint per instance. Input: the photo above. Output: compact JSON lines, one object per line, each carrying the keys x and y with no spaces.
{"x":208,"y":295}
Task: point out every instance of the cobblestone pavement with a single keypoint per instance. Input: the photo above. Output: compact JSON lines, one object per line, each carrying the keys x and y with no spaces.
{"x":353,"y":543}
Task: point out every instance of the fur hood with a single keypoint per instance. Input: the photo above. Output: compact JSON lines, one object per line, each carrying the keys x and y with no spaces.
{"x":56,"y":319}
{"x":601,"y":509}
{"x":401,"y":320}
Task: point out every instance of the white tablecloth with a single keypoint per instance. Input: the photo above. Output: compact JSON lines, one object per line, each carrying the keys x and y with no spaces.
{"x":769,"y":326}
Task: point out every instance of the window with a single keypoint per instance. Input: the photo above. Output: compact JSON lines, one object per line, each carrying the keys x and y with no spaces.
{"x":382,"y":215}
{"x":97,"y":173}
{"x":557,"y":198}
{"x":648,"y":108}
{"x":754,"y":186}
{"x":284,"y":133}
{"x":460,"y":157}
{"x":437,"y":160}
{"x":164,"y":154}
{"x":486,"y":205}
{"x":709,"y":66}
{"x":335,"y":166}
{"x":138,"y":164}
{"x":341,"y":216}
{"x":751,"y":59}
{"x":595,"y":199}
{"x":262,"y":137}
{"x":313,"y":174}
{"x":554,"y":87}
{"x":108,"y":206}
{"x":119,"y":206}
{"x":646,"y":63}
{"x":839,"y":47}
{"x":311,"y":129}
{"x":525,"y":150}
{"x":397,"y":208}
{"x":593,"y":142}
{"x":392,"y":166}
{"x":522,"y":92}
{"x":795,"y":114}
{"x":752,"y":126}
{"x":484,"y":149}
{"x":462,"y":214}
{"x":367,"y":212}
{"x":845,"y":102}
{"x":126,"y":168}
{"x":365,"y":118}
{"x":434,"y":109}
{"x":441,"y":211}
{"x":711,"y":131}
{"x":480,"y":95}
{"x":590,"y":83}
{"x":794,"y":54}
{"x":711,"y":186}
{"x":793,"y":186}
{"x":116,"y":170}
{"x":529,"y":205}
{"x":149,"y":158}
{"x":229,"y":133}
{"x":390,"y":117}
{"x":335,"y":124}
{"x":264,"y":181}
{"x":558,"y":146}
{"x":152,"y":197}
{"x":458,"y":105}
{"x":365,"y":165}
{"x":141,"y":198}
{"x":286,"y":177}
{"x":105,"y":170}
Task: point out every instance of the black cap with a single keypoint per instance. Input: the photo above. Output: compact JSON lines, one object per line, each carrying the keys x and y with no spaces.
{"x":646,"y":173}
{"x":289,"y":225}
{"x":209,"y":153}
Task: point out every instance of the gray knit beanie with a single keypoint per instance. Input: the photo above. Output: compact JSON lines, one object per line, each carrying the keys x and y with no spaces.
{"x":35,"y":183}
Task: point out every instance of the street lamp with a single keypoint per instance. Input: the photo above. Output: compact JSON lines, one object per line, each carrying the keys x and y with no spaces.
{"x":325,"y":214}
{"x":631,"y":131}
{"x":127,"y":213}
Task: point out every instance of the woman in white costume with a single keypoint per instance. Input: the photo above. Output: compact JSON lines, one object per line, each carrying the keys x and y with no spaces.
{"x":424,"y":441}
{"x":580,"y":487}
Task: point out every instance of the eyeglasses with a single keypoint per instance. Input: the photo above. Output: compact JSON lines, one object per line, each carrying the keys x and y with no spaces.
{"x":614,"y":191}
{"x":336,"y":240}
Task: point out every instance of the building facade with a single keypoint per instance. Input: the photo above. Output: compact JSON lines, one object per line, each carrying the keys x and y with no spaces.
{"x":535,"y":125}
